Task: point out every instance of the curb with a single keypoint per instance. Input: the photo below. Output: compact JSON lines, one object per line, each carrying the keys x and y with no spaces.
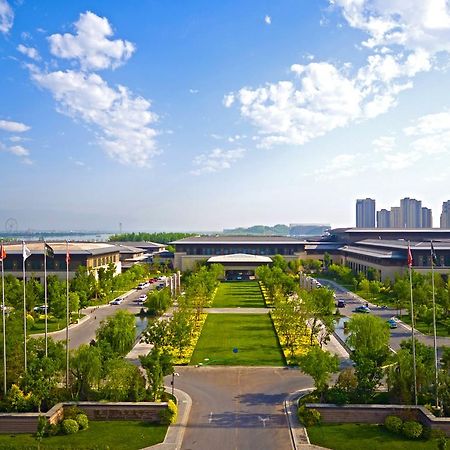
{"x":175,"y":432}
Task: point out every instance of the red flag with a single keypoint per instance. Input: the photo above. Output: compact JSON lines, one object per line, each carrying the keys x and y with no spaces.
{"x":2,"y":253}
{"x":410,"y":258}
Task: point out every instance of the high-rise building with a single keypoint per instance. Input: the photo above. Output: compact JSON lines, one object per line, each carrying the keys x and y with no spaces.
{"x":365,"y":213}
{"x":445,"y":215}
{"x":395,"y":217}
{"x":411,"y":213}
{"x":427,"y":218}
{"x":383,"y":218}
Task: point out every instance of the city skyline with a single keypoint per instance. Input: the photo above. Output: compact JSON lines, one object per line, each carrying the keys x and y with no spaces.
{"x":258,"y":113}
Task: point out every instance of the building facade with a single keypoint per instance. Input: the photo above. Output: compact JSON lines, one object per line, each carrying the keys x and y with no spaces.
{"x":427,"y":218}
{"x":383,"y":218}
{"x":365,"y":213}
{"x":411,"y":213}
{"x":445,"y":215}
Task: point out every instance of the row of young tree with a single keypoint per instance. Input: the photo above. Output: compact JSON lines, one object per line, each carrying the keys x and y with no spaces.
{"x":397,"y":292}
{"x":96,"y":371}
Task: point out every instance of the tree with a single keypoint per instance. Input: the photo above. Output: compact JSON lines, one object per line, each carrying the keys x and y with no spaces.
{"x":320,"y":307}
{"x":157,"y":364}
{"x":181,"y":328}
{"x":158,"y":301}
{"x":369,"y":338}
{"x":56,"y":296}
{"x":119,"y":332}
{"x":319,"y":364}
{"x":83,"y":284}
{"x":86,"y":370}
{"x":158,"y":333}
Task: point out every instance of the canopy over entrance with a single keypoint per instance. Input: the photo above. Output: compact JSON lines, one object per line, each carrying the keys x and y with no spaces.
{"x":240,"y":266}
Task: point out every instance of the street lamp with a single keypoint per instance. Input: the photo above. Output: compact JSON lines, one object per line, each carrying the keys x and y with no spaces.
{"x":174,"y":374}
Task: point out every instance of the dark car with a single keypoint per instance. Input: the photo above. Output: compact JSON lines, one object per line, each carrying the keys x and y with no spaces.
{"x":341,"y":304}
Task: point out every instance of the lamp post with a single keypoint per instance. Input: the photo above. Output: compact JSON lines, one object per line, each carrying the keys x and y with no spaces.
{"x":174,"y":374}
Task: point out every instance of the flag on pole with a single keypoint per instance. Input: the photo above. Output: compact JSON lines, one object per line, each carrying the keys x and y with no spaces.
{"x":433,"y":255}
{"x":2,"y":253}
{"x":410,"y":258}
{"x":49,"y":252}
{"x":67,"y":255}
{"x":26,"y":252}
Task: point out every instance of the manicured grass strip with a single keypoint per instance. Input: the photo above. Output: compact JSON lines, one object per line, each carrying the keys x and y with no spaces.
{"x":363,"y":436}
{"x":53,"y":324}
{"x":126,"y":435}
{"x":244,"y":294}
{"x":441,"y":328}
{"x":252,"y":335}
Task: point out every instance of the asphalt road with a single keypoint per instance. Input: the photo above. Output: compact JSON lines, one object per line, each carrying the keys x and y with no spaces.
{"x":397,"y":334}
{"x":238,"y":408}
{"x":85,"y":331}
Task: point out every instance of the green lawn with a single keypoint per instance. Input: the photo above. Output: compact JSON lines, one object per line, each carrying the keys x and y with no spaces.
{"x":126,"y":435}
{"x":233,"y":294}
{"x":53,"y":324}
{"x":363,"y":436}
{"x":251,"y":334}
{"x":441,"y":329}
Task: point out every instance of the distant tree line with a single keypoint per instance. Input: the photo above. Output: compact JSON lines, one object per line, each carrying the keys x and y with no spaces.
{"x":160,"y":238}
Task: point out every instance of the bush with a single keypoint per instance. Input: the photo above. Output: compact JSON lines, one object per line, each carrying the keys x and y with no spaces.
{"x":309,"y":417}
{"x":52,"y":429}
{"x":412,"y":429}
{"x":337,"y":396}
{"x":82,"y":421}
{"x":393,"y":424}
{"x":169,"y":415}
{"x":69,"y":426}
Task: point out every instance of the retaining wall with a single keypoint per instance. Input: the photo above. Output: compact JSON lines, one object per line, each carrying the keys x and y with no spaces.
{"x":27,"y":422}
{"x":377,"y":414}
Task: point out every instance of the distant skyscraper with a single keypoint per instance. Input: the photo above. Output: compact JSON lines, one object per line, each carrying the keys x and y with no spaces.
{"x":445,"y":215}
{"x":395,"y":217}
{"x":365,"y":213}
{"x":411,"y":213}
{"x":427,"y":218}
{"x":383,"y":218}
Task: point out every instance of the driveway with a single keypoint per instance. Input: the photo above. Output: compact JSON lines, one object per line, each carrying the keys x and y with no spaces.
{"x":238,"y":407}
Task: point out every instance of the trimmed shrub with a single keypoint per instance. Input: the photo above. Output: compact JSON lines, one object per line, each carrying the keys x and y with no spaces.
{"x":393,"y":423}
{"x":82,"y":421}
{"x":72,"y":412}
{"x":412,"y":429}
{"x":69,"y":426}
{"x":52,"y":429}
{"x":309,"y":417}
{"x":169,"y":415}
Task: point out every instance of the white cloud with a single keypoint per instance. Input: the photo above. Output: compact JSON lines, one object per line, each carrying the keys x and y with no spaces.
{"x":18,"y":150}
{"x":268,"y":20}
{"x":6,"y":16}
{"x":412,"y":24}
{"x":322,"y":97}
{"x":216,"y":160}
{"x":31,"y":52}
{"x":341,"y":166}
{"x":14,"y":127}
{"x":193,"y":91}
{"x":384,"y":144}
{"x":121,"y":118}
{"x":90,"y":45}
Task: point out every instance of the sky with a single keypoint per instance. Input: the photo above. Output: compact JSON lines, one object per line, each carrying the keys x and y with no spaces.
{"x":205,"y":115}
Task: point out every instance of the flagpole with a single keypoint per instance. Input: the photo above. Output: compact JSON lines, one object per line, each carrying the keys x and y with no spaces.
{"x":433,"y":255}
{"x":45,"y":299}
{"x":4,"y":321}
{"x":24,"y":309}
{"x":412,"y":324}
{"x":67,"y":314}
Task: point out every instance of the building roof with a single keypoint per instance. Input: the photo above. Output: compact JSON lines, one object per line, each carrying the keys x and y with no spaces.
{"x":60,"y":248}
{"x":390,"y":230}
{"x":442,"y":244}
{"x":375,"y":253}
{"x":139,"y":244}
{"x":222,"y":239}
{"x":129,"y":249}
{"x":239,"y":258}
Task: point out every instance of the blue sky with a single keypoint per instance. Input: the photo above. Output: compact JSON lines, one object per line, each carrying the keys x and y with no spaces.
{"x":206,"y":115}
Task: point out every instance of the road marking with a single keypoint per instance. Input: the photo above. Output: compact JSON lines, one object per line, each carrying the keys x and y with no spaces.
{"x":210,"y":419}
{"x":263,"y":420}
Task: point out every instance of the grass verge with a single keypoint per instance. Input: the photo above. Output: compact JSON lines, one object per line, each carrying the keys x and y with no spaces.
{"x":126,"y":435}
{"x":363,"y":436}
{"x":252,"y":335}
{"x":238,"y":294}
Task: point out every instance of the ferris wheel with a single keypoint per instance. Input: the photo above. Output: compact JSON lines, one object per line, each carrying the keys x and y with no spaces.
{"x":11,"y":225}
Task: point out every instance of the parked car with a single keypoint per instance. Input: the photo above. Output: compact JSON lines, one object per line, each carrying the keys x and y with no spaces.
{"x":392,"y":323}
{"x":41,"y":308}
{"x":341,"y":304}
{"x":142,"y":298}
{"x":362,"y":309}
{"x":116,"y":301}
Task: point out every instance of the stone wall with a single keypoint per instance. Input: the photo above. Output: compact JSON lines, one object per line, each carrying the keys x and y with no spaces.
{"x":27,"y":422}
{"x":377,"y":414}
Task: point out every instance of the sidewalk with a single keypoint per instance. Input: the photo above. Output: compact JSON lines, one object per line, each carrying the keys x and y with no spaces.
{"x":175,"y":432}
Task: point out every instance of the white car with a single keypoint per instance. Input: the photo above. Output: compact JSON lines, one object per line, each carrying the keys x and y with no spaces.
{"x":116,"y":301}
{"x":142,"y":285}
{"x":142,"y":298}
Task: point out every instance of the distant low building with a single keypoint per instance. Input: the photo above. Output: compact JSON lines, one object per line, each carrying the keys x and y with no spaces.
{"x":92,"y":255}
